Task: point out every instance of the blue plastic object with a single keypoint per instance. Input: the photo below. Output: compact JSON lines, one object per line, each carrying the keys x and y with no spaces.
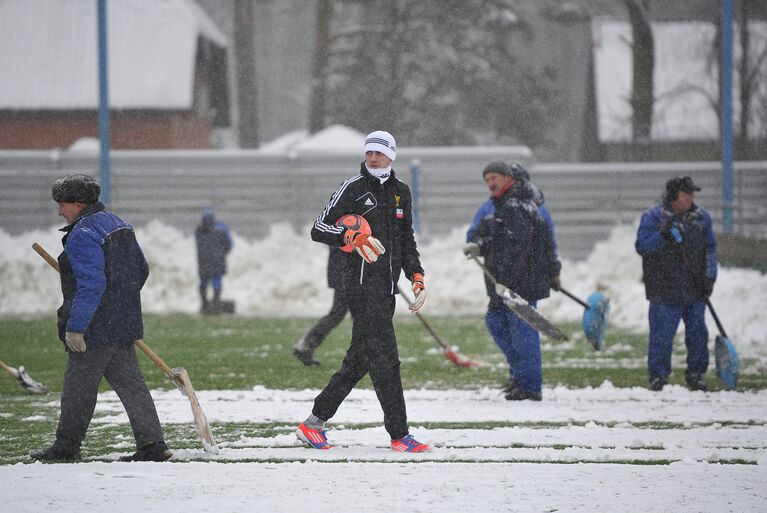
{"x":595,"y":319}
{"x":727,"y":362}
{"x":676,"y":234}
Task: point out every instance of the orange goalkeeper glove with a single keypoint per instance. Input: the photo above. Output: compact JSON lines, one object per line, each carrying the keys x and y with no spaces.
{"x":368,"y":247}
{"x":420,"y":292}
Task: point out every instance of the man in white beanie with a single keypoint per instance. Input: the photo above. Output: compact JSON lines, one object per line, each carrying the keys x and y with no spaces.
{"x":371,"y":270}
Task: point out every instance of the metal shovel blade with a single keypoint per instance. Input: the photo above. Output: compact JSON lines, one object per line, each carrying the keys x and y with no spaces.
{"x":30,"y":384}
{"x":727,"y":362}
{"x":595,"y":319}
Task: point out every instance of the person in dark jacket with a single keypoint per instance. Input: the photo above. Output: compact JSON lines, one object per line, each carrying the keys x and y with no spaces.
{"x":102,"y":272}
{"x":483,"y":220}
{"x":304,"y":348}
{"x":679,"y":268}
{"x":214,"y":241}
{"x":516,"y":242}
{"x":370,"y":275}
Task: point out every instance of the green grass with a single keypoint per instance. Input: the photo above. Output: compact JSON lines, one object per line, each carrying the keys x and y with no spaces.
{"x":240,"y":353}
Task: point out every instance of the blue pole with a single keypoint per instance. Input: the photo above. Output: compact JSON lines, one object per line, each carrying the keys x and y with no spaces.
{"x":415,"y":189}
{"x":727,"y":178}
{"x":103,"y":102}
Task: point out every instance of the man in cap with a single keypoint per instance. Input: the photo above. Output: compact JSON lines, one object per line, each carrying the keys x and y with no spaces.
{"x":102,"y":272}
{"x":370,"y":275}
{"x":679,"y":267}
{"x":516,"y":242}
{"x":214,"y":241}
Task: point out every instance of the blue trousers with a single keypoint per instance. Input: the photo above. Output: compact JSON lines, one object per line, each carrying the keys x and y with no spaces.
{"x":213,"y":280}
{"x":664,"y":320}
{"x":520,"y":344}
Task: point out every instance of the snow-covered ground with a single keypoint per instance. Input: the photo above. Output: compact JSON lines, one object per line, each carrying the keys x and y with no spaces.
{"x":596,"y":443}
{"x":569,"y":452}
{"x":284,"y":275}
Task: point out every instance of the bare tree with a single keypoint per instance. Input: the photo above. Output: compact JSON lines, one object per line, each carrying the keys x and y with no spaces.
{"x":246,"y":73}
{"x":642,"y":93}
{"x":320,"y":64}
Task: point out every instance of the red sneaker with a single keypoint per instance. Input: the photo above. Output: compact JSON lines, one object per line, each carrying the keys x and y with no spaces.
{"x":313,"y":437}
{"x":408,"y":444}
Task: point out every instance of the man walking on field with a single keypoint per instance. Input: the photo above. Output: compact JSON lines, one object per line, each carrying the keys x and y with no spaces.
{"x":370,"y":273}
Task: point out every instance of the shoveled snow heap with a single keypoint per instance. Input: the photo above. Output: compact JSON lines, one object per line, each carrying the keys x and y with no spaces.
{"x":283,"y":274}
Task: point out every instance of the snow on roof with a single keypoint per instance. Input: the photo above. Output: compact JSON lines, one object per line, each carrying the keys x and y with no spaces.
{"x":685,"y":80}
{"x":49,"y":53}
{"x":333,"y":138}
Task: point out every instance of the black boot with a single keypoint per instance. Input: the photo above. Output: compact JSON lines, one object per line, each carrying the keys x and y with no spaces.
{"x":656,"y":383}
{"x":156,"y":451}
{"x":58,"y":452}
{"x":695,"y":381}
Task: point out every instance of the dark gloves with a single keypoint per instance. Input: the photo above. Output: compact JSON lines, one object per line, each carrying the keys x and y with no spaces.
{"x":708,"y":286}
{"x":670,"y":232}
{"x":555,"y":283}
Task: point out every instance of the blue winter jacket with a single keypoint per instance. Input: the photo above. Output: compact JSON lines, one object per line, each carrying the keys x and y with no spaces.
{"x":102,"y":272}
{"x":676,"y":272}
{"x":487,"y":210}
{"x":517,"y":244}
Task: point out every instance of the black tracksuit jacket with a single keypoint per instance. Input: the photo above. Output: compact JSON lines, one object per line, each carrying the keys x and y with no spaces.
{"x":387,"y":208}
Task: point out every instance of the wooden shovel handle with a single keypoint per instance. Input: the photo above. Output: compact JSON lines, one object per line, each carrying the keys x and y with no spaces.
{"x":46,"y":256}
{"x":139,"y":343}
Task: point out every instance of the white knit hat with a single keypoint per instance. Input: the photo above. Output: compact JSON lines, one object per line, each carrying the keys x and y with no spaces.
{"x":383,"y":142}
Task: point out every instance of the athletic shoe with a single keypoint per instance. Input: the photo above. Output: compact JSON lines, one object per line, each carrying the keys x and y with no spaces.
{"x":656,"y":383}
{"x":313,"y":437}
{"x":156,"y":451}
{"x":695,"y":382}
{"x":408,"y":444}
{"x":520,"y":394}
{"x":55,"y":453}
{"x":306,"y":357}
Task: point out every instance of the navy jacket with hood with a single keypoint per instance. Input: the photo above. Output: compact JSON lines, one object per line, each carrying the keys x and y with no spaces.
{"x":516,"y":242}
{"x":675,"y":273}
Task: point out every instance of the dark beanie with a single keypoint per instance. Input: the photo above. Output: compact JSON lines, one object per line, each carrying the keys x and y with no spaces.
{"x":76,"y":189}
{"x":519,"y":172}
{"x":497,"y":166}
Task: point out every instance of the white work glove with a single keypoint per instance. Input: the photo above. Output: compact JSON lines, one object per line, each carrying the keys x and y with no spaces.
{"x":368,"y":247}
{"x":420,"y":293}
{"x":75,"y":341}
{"x":471,"y":250}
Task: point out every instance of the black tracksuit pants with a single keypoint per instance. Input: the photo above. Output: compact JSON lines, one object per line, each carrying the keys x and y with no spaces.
{"x":373,"y":350}
{"x":117,"y":363}
{"x":324,"y":326}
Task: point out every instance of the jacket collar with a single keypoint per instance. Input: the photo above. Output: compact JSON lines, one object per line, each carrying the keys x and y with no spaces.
{"x":88,"y":210}
{"x":365,"y":173}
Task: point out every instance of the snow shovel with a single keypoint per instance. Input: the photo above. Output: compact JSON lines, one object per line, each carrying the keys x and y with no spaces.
{"x":21,"y":375}
{"x":725,"y":355}
{"x":178,"y":376}
{"x":520,"y":307}
{"x":449,"y":353}
{"x":594,"y":317}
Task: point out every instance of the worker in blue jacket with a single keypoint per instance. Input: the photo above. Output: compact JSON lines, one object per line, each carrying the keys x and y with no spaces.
{"x":679,"y":266}
{"x":102,"y":272}
{"x":498,"y":319}
{"x":517,"y":245}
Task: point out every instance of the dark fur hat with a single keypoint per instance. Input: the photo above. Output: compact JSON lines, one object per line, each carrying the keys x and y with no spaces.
{"x":76,"y":189}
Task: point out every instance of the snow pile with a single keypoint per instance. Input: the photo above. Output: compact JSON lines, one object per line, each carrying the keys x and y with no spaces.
{"x":283,"y":274}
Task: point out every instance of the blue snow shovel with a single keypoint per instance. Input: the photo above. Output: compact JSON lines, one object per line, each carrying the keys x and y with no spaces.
{"x":725,"y":355}
{"x":594,"y":318}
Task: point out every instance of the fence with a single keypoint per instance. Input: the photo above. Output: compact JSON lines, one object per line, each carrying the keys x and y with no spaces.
{"x":252,"y":191}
